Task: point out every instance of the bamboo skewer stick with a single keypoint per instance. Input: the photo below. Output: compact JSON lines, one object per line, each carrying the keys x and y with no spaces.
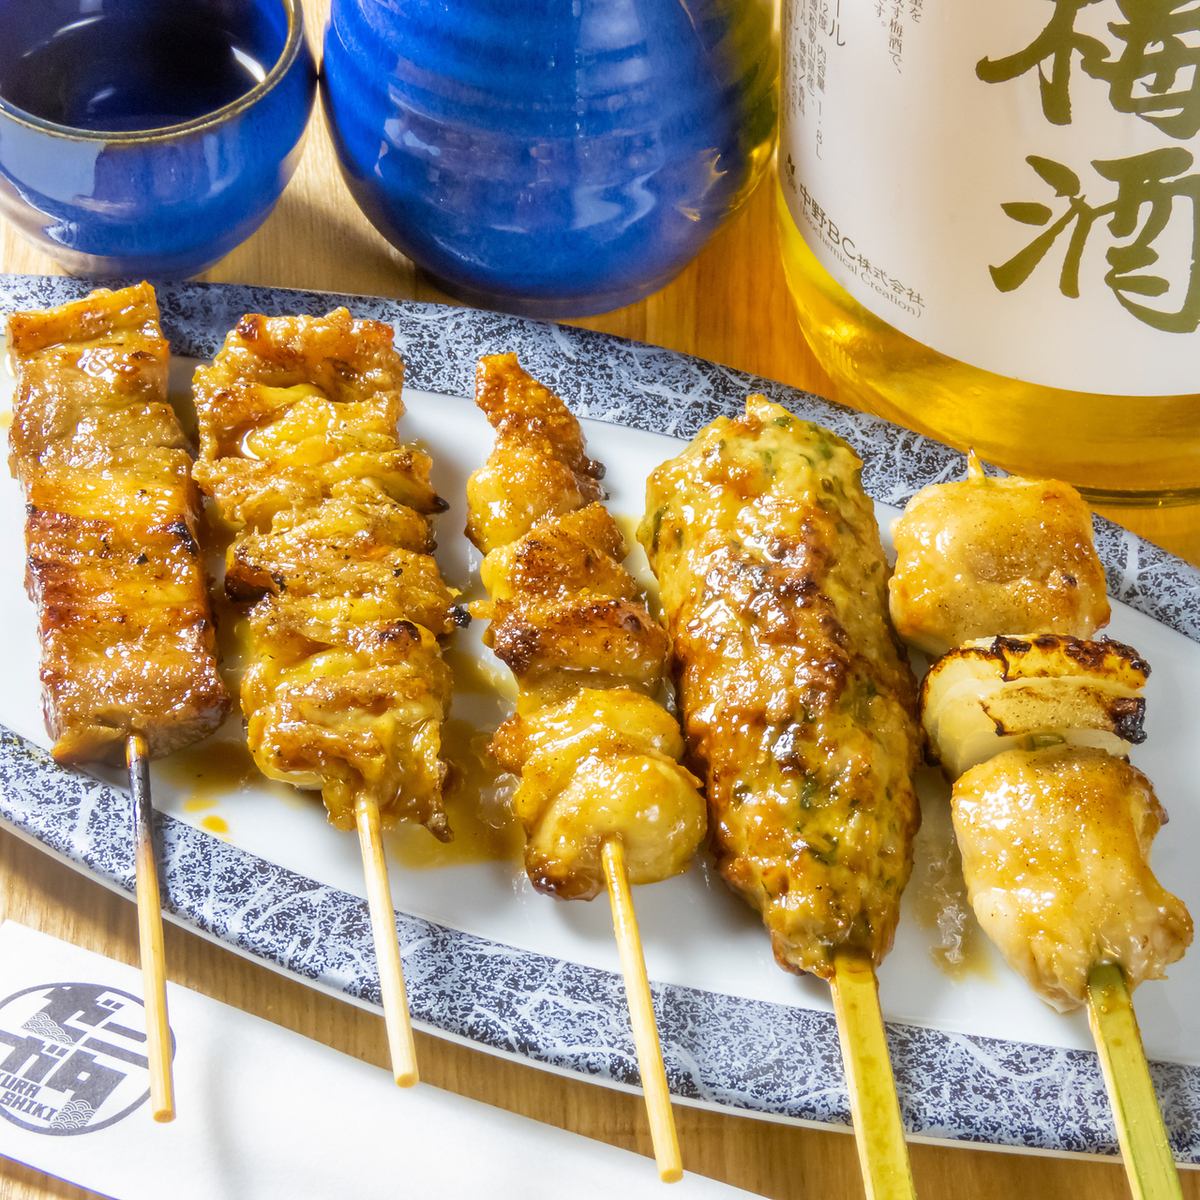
{"x":641,"y":1014}
{"x":1149,"y":1163}
{"x":878,"y":1130}
{"x":387,"y":949}
{"x":150,"y":932}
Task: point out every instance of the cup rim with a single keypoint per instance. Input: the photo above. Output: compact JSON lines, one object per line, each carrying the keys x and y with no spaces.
{"x":282,"y":64}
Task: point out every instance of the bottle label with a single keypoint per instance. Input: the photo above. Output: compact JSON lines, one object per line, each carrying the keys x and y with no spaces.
{"x":1015,"y":184}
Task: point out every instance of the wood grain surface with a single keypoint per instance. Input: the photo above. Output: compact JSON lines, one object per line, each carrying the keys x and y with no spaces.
{"x":730,"y":305}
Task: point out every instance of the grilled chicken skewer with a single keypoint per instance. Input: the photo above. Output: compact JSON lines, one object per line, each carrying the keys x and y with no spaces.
{"x":128,"y":664}
{"x":985,"y":556}
{"x":1033,"y":728}
{"x":346,"y":689}
{"x":603,"y":798}
{"x":802,"y":712}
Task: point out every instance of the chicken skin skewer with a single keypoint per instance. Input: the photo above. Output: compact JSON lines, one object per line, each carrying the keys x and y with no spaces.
{"x":1033,"y":728}
{"x":603,"y":797}
{"x":346,"y":688}
{"x":798,"y":705}
{"x":128,"y":664}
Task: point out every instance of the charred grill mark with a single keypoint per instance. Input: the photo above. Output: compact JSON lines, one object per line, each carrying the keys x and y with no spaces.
{"x":181,"y":531}
{"x":400,"y":633}
{"x":1090,"y":655}
{"x":1128,"y":714}
{"x":517,"y":645}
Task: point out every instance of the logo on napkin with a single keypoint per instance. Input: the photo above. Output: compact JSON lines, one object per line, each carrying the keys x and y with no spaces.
{"x":72,"y":1057}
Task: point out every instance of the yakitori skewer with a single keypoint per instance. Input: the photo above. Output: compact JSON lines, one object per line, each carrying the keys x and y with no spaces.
{"x":603,"y":798}
{"x":799,"y":706}
{"x":150,"y":932}
{"x":1034,"y":727}
{"x":346,"y":688}
{"x":128,"y":658}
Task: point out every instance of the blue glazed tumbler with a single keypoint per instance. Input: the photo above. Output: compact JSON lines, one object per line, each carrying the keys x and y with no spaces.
{"x":550,"y":157}
{"x":148,"y":137}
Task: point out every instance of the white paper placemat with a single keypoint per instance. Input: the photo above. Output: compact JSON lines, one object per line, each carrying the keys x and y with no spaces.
{"x":262,"y":1111}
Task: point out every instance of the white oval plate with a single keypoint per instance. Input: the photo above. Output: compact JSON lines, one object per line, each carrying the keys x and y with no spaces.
{"x":978,"y":1058}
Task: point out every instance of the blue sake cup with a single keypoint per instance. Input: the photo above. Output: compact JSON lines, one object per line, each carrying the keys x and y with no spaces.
{"x":171,"y":199}
{"x":547,"y":157}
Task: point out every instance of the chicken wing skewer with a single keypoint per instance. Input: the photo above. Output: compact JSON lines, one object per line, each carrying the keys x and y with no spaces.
{"x":1033,"y":727}
{"x":346,"y":689}
{"x":799,"y":706}
{"x":602,"y":796}
{"x":128,"y":662}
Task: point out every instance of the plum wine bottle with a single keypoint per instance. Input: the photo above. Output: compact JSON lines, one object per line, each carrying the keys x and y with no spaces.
{"x":990,"y":219}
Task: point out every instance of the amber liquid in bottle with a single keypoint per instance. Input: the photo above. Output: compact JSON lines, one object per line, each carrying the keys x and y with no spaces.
{"x":1119,"y":449}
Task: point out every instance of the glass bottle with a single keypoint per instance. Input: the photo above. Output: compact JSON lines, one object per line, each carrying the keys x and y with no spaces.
{"x":990,"y":224}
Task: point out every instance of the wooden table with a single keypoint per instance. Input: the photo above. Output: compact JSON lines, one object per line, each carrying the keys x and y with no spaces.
{"x":730,"y":305}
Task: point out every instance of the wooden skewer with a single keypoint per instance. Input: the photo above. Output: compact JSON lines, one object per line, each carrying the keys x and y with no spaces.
{"x":641,"y":1014}
{"x":150,"y":932}
{"x":387,"y":948}
{"x":878,"y":1130}
{"x":1149,"y":1163}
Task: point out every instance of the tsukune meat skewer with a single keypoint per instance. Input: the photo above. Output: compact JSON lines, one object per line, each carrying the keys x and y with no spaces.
{"x":603,"y":797}
{"x":128,"y":654}
{"x":801,"y":709}
{"x":1033,"y":724}
{"x":346,"y":688}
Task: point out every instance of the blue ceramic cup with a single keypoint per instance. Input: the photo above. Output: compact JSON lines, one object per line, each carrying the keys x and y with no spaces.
{"x":146,"y":138}
{"x":548,"y":157}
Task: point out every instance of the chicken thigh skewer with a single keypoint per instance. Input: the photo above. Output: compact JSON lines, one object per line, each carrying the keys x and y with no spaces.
{"x":128,"y":663}
{"x":1033,"y":728}
{"x":346,"y":689}
{"x":800,"y":708}
{"x":603,"y":798}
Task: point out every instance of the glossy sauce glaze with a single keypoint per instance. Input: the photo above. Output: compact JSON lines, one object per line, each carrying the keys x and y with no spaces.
{"x":598,"y":757}
{"x":345,"y":689}
{"x":795,"y":698}
{"x":111,"y":530}
{"x":939,"y":901}
{"x":478,"y":794}
{"x":1056,"y":849}
{"x":207,"y":773}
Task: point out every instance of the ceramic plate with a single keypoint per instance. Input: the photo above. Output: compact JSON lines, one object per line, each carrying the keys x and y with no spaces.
{"x":978,"y":1058}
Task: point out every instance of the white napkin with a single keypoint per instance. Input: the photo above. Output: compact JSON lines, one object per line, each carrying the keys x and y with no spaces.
{"x":262,"y":1112}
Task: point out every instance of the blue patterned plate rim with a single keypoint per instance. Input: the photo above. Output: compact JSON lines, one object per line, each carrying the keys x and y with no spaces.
{"x":753,"y":1056}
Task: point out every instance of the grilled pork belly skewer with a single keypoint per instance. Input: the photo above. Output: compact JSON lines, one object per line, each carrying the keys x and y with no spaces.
{"x":346,"y":689}
{"x":800,"y":708}
{"x":128,"y":664}
{"x":1033,"y":728}
{"x":602,"y":796}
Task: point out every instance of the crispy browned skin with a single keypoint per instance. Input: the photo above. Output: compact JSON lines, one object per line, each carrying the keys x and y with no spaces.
{"x":346,"y":689}
{"x":795,"y":698}
{"x":113,"y":563}
{"x":995,"y":556}
{"x":598,"y":757}
{"x":538,"y":469}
